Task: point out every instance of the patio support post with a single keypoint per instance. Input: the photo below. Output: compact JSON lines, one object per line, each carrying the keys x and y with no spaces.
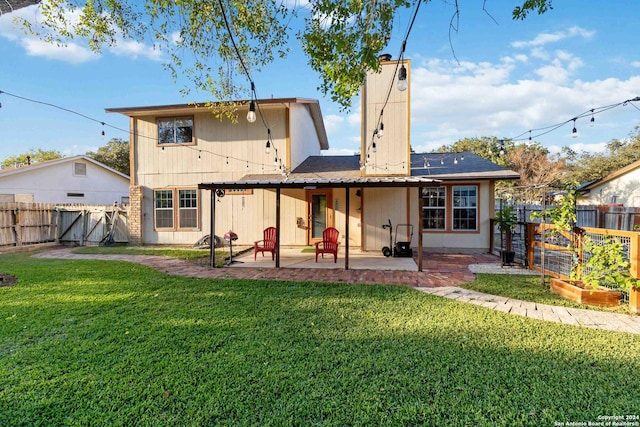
{"x":212,"y":227}
{"x":278,"y":227}
{"x":419,"y":228}
{"x":346,"y":229}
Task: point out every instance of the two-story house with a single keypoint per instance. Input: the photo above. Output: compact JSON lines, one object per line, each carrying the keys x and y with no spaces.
{"x":193,"y":172}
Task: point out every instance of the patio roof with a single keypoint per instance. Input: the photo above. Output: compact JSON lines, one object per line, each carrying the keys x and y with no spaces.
{"x":310,"y":181}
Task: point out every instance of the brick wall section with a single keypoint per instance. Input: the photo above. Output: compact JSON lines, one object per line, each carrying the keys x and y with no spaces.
{"x":135,"y":214}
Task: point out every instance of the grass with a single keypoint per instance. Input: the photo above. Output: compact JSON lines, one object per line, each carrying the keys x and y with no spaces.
{"x":115,"y":343}
{"x":200,"y":256}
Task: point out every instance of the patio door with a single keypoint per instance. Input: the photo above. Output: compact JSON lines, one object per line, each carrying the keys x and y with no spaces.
{"x":320,"y":212}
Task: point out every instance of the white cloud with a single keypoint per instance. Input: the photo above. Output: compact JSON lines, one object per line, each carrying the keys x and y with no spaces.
{"x":136,"y":50}
{"x":635,"y":64}
{"x":506,"y":98}
{"x":74,"y":52}
{"x":546,"y":38}
{"x":71,"y":52}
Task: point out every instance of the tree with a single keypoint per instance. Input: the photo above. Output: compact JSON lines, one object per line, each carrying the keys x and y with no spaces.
{"x":590,"y":167}
{"x":115,"y":155}
{"x":536,"y":165}
{"x":32,"y":156}
{"x":213,"y":42}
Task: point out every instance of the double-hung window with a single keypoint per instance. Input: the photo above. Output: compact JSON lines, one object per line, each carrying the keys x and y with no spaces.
{"x":164,"y":208}
{"x":175,"y":130}
{"x":188,"y":208}
{"x":465,"y":207}
{"x":450,"y":208}
{"x":176,"y":209}
{"x":433,"y":208}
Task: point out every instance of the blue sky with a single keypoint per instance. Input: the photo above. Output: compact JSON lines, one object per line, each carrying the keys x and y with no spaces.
{"x":509,"y":77}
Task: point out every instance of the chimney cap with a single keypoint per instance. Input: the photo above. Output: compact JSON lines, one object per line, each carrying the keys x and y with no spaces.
{"x":384,"y":57}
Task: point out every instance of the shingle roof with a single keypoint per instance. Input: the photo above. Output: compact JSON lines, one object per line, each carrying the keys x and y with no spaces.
{"x":442,"y":166}
{"x":342,"y":171}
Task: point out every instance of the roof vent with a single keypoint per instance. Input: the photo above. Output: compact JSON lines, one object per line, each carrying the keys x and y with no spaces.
{"x":384,"y":57}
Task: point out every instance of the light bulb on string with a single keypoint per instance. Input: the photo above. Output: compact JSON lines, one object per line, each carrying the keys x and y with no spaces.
{"x":267,"y":147}
{"x":574,"y":132}
{"x":380,"y":132}
{"x":251,"y":114}
{"x":373,"y":147}
{"x":402,"y":79}
{"x":592,"y":122}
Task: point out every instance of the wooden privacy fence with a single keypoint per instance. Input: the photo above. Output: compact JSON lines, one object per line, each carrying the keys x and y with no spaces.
{"x":32,"y":223}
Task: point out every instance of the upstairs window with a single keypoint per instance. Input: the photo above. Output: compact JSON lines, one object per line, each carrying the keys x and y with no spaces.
{"x":175,"y":130}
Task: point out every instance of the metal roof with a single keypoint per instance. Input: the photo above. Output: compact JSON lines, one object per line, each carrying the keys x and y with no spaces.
{"x":271,"y":181}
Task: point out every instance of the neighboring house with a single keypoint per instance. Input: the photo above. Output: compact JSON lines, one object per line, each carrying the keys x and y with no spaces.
{"x":77,"y":179}
{"x":183,"y":157}
{"x":621,"y":187}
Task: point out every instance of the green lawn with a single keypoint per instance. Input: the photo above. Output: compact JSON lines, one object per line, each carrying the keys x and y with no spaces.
{"x":115,"y":343}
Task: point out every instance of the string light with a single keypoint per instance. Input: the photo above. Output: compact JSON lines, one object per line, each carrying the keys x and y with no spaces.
{"x":251,"y":114}
{"x":402,"y":79}
{"x":591,"y":112}
{"x":592,"y":122}
{"x":574,"y":132}
{"x":267,"y":148}
{"x":381,"y":130}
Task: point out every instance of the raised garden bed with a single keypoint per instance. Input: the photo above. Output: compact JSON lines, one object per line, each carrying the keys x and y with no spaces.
{"x":574,"y":290}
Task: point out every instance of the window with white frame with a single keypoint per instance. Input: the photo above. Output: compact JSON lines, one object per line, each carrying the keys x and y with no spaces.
{"x":176,"y":209}
{"x":465,"y":207}
{"x":175,"y":130}
{"x":434,"y":208}
{"x":188,"y":208}
{"x":163,"y":208}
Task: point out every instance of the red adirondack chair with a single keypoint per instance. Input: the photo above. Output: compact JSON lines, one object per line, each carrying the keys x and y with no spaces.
{"x":329,"y":244}
{"x":267,"y":244}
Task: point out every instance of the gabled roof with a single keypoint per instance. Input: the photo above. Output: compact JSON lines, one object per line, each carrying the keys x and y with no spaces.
{"x":49,"y":163}
{"x":312,"y":104}
{"x":613,"y":175}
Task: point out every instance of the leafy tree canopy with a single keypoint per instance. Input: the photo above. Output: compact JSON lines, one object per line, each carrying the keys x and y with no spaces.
{"x":589,"y":167}
{"x":32,"y":156}
{"x":115,"y":155}
{"x":342,"y":38}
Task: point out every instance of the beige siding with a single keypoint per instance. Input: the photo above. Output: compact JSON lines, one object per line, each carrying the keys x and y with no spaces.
{"x":391,"y":156}
{"x":382,"y":204}
{"x":222,"y":151}
{"x":304,"y":139}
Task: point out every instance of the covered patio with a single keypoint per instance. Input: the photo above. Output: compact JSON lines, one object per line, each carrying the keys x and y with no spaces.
{"x":305,"y":258}
{"x":303,"y":181}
